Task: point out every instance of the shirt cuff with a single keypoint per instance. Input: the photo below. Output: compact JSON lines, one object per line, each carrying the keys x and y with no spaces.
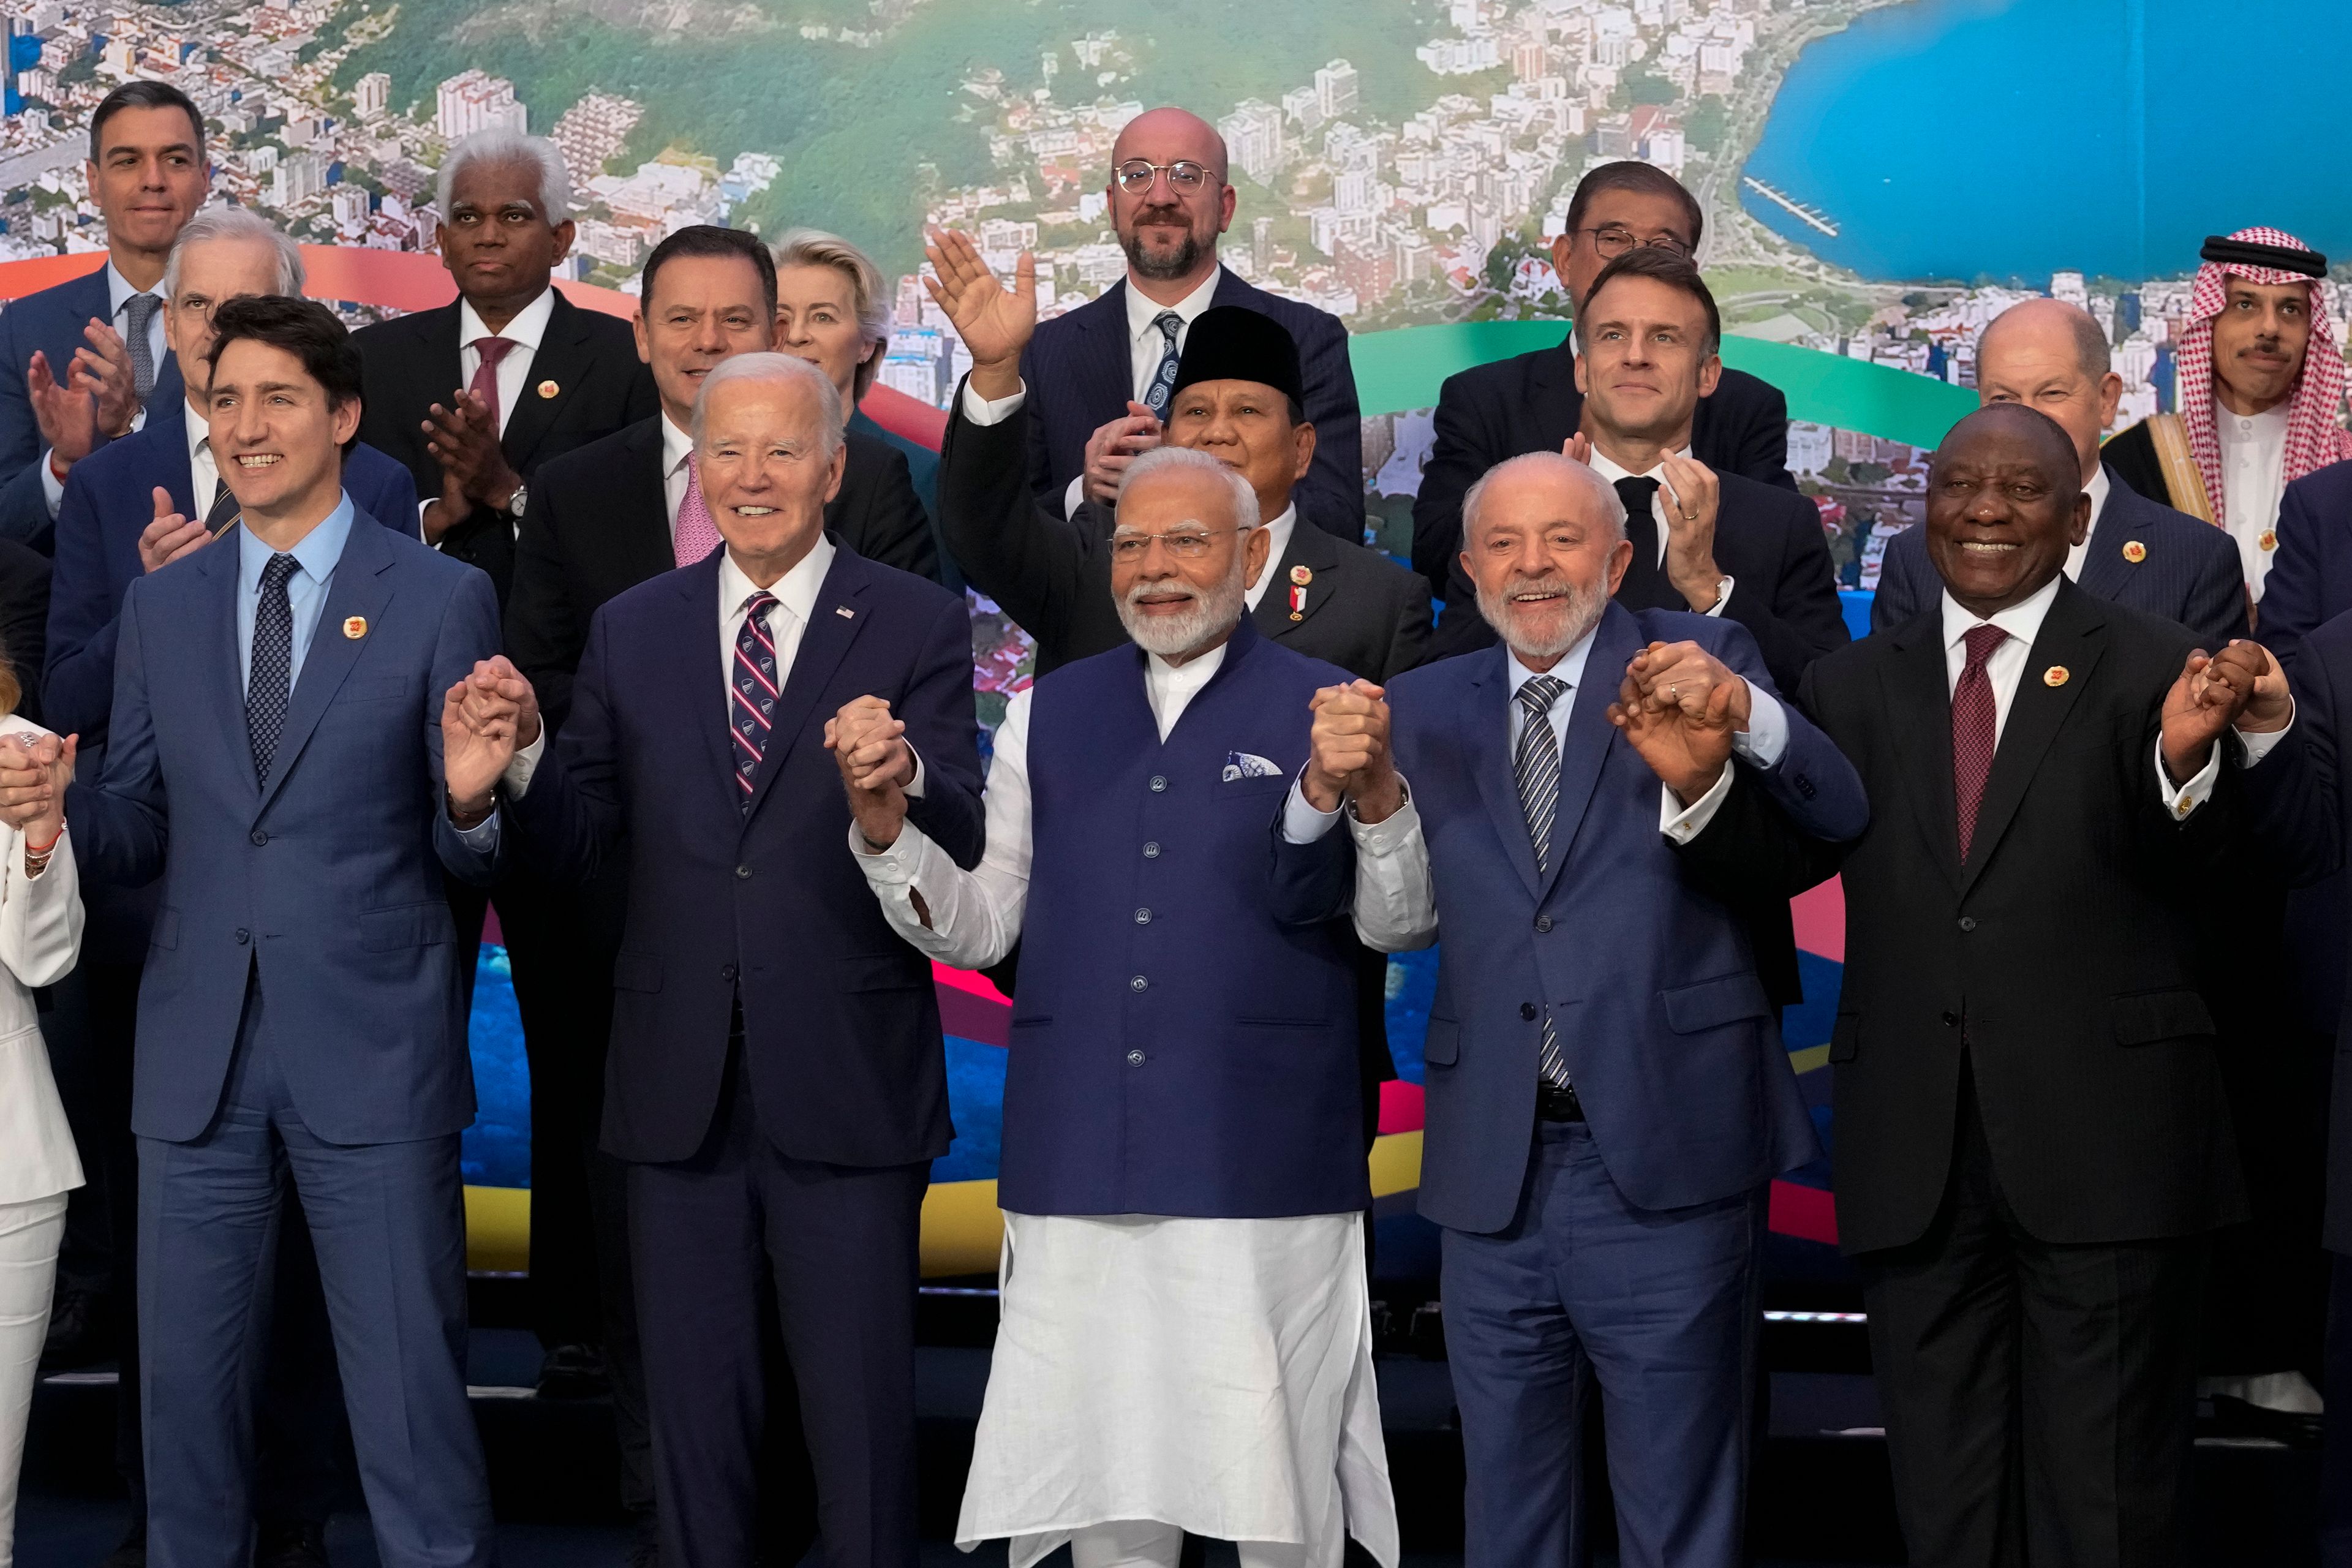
{"x":1075,"y":497}
{"x":53,"y":488}
{"x":2262,"y":745}
{"x":1683,"y":823}
{"x":483,"y":837}
{"x":522,"y":764}
{"x":1722,"y":597}
{"x":914,"y":790}
{"x":422,"y":508}
{"x":1301,"y":823}
{"x":985,"y":411}
{"x":894,"y":867}
{"x":2186,"y":799}
{"x":1390,"y":834}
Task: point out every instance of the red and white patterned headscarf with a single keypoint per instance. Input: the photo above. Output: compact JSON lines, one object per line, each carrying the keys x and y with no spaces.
{"x":2314,"y":438}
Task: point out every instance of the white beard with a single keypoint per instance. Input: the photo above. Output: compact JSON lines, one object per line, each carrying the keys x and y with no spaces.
{"x":1584,"y":609}
{"x":1214,"y":613}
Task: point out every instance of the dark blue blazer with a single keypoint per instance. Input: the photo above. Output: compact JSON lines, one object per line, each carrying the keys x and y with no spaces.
{"x":766,"y":909}
{"x":1080,"y":377}
{"x":51,"y":321}
{"x":325,"y":883}
{"x":1670,"y":1037}
{"x":2190,"y":573}
{"x":2310,"y":583}
{"x":109,"y":502}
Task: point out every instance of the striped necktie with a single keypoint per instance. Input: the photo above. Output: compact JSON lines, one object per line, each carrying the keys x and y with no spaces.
{"x":752,"y":702}
{"x":1534,"y":764}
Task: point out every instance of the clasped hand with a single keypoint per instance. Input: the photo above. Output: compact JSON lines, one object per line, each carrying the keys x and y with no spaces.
{"x":2241,"y":686}
{"x":486,"y":718}
{"x":877,"y":766}
{"x":1679,"y":707}
{"x":34,"y":773}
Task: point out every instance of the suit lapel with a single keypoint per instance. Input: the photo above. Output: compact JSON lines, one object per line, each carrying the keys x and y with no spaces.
{"x":1109,"y":369}
{"x":1486,"y":722}
{"x":835,"y":621}
{"x":2104,"y":570}
{"x":1557,"y":407}
{"x":1317,"y":554}
{"x":214,"y":648}
{"x":697,"y":671}
{"x":361,"y":586}
{"x":1919,"y":704}
{"x":643,"y":496}
{"x":167,"y":426}
{"x":2072,"y":637}
{"x":1590,"y":735}
{"x":562,"y":362}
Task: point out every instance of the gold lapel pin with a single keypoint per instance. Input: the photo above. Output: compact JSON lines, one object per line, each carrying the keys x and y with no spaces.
{"x":355,"y":626}
{"x":2057,"y":675}
{"x":2134,"y":552}
{"x":2268,"y":539}
{"x":548,"y":389}
{"x":1302,"y":575}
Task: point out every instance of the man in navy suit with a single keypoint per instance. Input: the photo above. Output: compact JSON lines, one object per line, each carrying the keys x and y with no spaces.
{"x":1608,"y":1093}
{"x":2050,"y":355}
{"x":1532,"y":401}
{"x":300,"y":1013}
{"x":2310,"y":581}
{"x":1099,"y":377}
{"x":80,"y":361}
{"x":776,"y":1082}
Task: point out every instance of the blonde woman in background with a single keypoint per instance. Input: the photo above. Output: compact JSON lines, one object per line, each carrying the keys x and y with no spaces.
{"x":831,"y":310}
{"x":40,"y":936}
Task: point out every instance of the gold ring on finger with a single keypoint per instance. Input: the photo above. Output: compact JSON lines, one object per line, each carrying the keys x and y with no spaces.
{"x":1690,"y":517}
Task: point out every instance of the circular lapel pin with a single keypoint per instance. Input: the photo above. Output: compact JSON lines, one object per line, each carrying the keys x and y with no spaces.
{"x":2268,"y":539}
{"x":548,"y":389}
{"x":2057,"y":675}
{"x":1302,"y":575}
{"x":355,"y":626}
{"x":2134,"y":552}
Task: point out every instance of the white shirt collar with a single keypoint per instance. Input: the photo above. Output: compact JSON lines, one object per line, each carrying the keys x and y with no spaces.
{"x":1611,"y":470}
{"x":199,"y":431}
{"x":2259,"y":429}
{"x":796,"y":590}
{"x":1171,"y":687}
{"x":676,"y":447}
{"x":1143,"y":309}
{"x":1277,"y":545}
{"x":120,"y":288}
{"x":1570,"y":669}
{"x":2022,"y":620}
{"x":526,"y":330}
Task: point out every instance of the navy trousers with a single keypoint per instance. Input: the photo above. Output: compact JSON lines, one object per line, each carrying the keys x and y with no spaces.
{"x":1659,"y":1307}
{"x":835,"y":1247}
{"x":387,"y":1223}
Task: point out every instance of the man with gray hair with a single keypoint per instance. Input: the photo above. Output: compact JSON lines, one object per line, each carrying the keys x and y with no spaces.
{"x":475,"y":395}
{"x":1595,"y":989}
{"x":777,"y":1081}
{"x":1185,"y":1341}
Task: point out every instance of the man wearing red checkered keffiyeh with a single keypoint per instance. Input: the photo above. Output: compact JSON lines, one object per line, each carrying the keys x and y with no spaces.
{"x":2259,"y":383}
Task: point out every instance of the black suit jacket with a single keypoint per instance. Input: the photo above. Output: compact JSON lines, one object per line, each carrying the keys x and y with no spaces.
{"x":1052,"y":575}
{"x":412,"y":362}
{"x":1081,"y":376}
{"x":1529,"y":404}
{"x":24,"y":620}
{"x":2060,"y":962}
{"x":2188,"y":571}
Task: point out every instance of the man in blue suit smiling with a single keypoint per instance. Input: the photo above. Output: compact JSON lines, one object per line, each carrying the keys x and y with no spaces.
{"x":300,"y":1009}
{"x":1608,"y":1094}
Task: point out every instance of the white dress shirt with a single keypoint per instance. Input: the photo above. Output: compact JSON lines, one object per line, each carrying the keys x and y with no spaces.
{"x":1667,"y":516}
{"x":524,"y":332}
{"x":2253,"y":478}
{"x":1396,"y":903}
{"x":203,"y":471}
{"x":1146,"y":347}
{"x":119,"y":290}
{"x":2097,"y":489}
{"x":678,"y":455}
{"x":1278,"y":534}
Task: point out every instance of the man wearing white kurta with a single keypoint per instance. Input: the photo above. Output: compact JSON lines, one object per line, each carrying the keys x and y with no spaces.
{"x":1185,"y":1340}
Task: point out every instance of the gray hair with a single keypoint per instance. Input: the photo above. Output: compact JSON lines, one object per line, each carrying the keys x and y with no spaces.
{"x":502,"y":146}
{"x":815,"y":248}
{"x":1604,"y":494}
{"x":1186,"y":459}
{"x":238,"y":223}
{"x":777,"y":368}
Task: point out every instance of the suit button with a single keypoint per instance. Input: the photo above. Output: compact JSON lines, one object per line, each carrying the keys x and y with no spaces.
{"x":243,"y":936}
{"x":1151,"y":852}
{"x":260,"y":837}
{"x":1543,"y":922}
{"x":1159,"y":785}
{"x":1527,"y":1011}
{"x":1967,"y":922}
{"x":1139,"y":984}
{"x":1135,"y":1058}
{"x":1951,"y":1020}
{"x":1143,"y":917}
{"x":743,"y":873}
{"x":726,"y":972}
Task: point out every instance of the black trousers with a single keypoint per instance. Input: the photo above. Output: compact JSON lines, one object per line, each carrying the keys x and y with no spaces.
{"x":2040,"y":1399}
{"x":716,"y":1240}
{"x":2336,"y":1462}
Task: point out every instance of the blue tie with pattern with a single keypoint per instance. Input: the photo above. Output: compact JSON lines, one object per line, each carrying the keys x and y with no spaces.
{"x":1536,"y":765}
{"x":1164,"y":380}
{"x":752,"y":706}
{"x":271,"y":679}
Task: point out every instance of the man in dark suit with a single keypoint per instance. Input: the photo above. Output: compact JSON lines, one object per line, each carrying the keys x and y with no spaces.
{"x":302,"y":1013}
{"x":79,"y":361}
{"x":2050,"y":355}
{"x":24,"y":617}
{"x":534,"y":376}
{"x":777,"y":1081}
{"x":1098,"y":377}
{"x":1717,"y":543}
{"x":1534,"y":403}
{"x":1609,"y":1097}
{"x":2310,"y":582}
{"x":2033,"y":1142}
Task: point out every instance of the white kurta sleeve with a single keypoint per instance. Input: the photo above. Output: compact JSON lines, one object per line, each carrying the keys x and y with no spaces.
{"x":40,"y":917}
{"x":974,"y":916}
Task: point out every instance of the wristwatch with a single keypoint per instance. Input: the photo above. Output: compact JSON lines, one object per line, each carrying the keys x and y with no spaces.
{"x":516,"y":502}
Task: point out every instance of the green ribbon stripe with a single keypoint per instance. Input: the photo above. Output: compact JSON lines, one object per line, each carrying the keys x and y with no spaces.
{"x":1402,"y":369}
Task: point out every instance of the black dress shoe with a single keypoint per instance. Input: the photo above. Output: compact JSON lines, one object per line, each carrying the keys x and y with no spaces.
{"x":132,"y":1552}
{"x":76,"y":1334}
{"x":573,"y":1371}
{"x":291,"y":1544}
{"x":2234,"y":1418}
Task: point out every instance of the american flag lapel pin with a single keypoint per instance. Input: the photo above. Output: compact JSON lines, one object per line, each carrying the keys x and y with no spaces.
{"x":845,"y":612}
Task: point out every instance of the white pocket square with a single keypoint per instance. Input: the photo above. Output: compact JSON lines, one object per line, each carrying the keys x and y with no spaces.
{"x":1244,"y":765}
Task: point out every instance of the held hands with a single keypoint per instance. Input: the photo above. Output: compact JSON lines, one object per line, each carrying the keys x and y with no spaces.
{"x":1693,"y":495}
{"x":170,"y":536}
{"x":1680,"y":708}
{"x":1116,"y":444}
{"x":995,"y":322}
{"x":34,"y":773}
{"x":1348,"y":754}
{"x":486,"y":718}
{"x":877,"y":766}
{"x":464,"y":440}
{"x":2241,"y":685}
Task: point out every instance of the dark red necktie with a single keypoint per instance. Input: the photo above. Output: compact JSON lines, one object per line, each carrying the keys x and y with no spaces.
{"x":486,"y":375}
{"x":1972,"y":730}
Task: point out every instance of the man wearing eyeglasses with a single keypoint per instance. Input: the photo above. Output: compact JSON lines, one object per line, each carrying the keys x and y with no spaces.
{"x":1099,"y":378}
{"x":1532,"y":403}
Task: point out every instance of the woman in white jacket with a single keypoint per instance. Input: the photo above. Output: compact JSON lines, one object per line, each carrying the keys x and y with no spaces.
{"x":40,"y":935}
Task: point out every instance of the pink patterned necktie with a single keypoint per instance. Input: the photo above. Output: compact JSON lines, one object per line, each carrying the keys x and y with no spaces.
{"x":485,"y":375}
{"x":1973,"y":730}
{"x":696,"y":536}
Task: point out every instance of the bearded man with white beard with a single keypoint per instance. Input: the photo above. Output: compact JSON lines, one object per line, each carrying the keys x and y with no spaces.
{"x":1185,"y":1340}
{"x":1608,"y":1095}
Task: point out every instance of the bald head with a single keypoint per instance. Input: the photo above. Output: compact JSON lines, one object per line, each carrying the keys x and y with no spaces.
{"x":1163,"y":135}
{"x":1169,"y":227}
{"x":2052,"y":357}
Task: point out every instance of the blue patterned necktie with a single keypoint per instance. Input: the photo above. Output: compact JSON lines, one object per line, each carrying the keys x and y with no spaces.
{"x":752,"y":705}
{"x":140,"y":308}
{"x":1536,"y":765}
{"x":1164,"y":380}
{"x":271,"y":680}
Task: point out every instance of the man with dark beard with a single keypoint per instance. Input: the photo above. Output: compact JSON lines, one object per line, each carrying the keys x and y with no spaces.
{"x":1099,"y":378}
